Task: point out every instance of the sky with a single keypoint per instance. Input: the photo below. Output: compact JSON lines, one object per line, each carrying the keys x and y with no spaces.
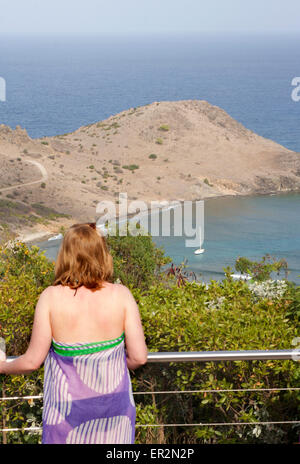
{"x":147,"y":17}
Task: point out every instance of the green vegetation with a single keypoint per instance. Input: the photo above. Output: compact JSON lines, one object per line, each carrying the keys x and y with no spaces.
{"x":164,"y":128}
{"x":137,"y":261}
{"x":108,"y":127}
{"x":220,"y":317}
{"x":47,"y":212}
{"x":261,"y":270}
{"x":24,"y":274}
{"x":178,"y":314}
{"x":44,"y":142}
{"x":159,"y":141}
{"x":20,"y":214}
{"x":131,"y":167}
{"x":206,"y":181}
{"x":152,"y":156}
{"x":43,"y":185}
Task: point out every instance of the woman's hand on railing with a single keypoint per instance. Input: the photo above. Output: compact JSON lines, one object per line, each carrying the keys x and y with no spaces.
{"x":2,"y":360}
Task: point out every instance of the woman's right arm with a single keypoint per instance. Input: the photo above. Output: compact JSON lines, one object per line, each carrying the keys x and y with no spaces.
{"x":134,"y":334}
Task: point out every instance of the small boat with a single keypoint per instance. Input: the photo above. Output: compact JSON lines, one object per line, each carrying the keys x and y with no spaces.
{"x":55,"y":237}
{"x":200,"y":250}
{"x":241,"y":276}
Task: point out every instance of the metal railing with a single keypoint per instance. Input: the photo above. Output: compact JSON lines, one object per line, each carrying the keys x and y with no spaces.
{"x":199,"y":356}
{"x":207,"y":356}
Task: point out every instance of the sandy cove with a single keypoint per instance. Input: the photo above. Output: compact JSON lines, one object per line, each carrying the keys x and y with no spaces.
{"x":180,"y":150}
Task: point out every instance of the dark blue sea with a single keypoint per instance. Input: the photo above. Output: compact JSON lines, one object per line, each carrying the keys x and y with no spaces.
{"x":57,"y":85}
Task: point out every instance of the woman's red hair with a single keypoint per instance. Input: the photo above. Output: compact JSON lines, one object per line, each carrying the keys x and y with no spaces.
{"x":83,"y":258}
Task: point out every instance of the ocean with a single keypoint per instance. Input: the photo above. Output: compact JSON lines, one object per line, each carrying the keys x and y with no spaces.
{"x":54,"y":86}
{"x":239,"y":226}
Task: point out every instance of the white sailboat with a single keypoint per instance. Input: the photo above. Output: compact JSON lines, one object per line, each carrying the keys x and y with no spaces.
{"x":200,"y":250}
{"x":241,"y":276}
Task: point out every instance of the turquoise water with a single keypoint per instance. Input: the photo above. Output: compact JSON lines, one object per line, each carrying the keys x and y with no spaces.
{"x":248,"y":226}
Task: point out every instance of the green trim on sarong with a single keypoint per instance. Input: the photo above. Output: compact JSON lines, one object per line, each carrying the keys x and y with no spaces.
{"x":85,"y":348}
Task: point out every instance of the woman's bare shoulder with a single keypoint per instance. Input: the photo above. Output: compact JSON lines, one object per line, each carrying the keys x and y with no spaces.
{"x":56,"y":291}
{"x":122,"y":291}
{"x":48,"y":294}
{"x":51,"y":290}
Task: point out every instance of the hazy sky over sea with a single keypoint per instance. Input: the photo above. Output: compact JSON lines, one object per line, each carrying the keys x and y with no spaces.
{"x":144,"y":17}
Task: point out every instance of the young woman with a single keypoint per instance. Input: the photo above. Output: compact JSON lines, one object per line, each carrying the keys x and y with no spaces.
{"x":81,"y":326}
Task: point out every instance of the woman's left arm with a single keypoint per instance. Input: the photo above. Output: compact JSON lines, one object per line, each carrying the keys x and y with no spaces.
{"x":40,"y":341}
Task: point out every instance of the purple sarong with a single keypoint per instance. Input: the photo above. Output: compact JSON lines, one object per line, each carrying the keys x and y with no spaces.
{"x":88,"y":394}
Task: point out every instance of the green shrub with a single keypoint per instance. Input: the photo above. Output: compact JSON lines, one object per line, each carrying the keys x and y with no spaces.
{"x":24,"y":274}
{"x":221,"y":316}
{"x":152,"y":156}
{"x":164,"y":128}
{"x":137,"y":260}
{"x":206,"y":181}
{"x":261,"y":270}
{"x":224,"y":315}
{"x":131,"y":167}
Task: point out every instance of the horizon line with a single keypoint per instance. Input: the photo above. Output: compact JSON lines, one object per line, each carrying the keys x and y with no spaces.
{"x":153,"y":35}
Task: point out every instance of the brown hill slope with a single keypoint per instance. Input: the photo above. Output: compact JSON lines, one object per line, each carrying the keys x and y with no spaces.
{"x":164,"y":150}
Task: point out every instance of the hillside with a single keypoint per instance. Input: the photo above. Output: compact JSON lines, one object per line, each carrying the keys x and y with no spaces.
{"x":165,"y":150}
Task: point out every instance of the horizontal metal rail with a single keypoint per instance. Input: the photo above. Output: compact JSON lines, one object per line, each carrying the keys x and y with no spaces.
{"x":201,"y":424}
{"x":204,"y":356}
{"x":198,"y":356}
{"x":248,"y":355}
{"x":172,"y":392}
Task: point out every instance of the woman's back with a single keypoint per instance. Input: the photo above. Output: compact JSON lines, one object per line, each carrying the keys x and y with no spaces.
{"x":85,"y":315}
{"x":82,"y":324}
{"x":87,"y":389}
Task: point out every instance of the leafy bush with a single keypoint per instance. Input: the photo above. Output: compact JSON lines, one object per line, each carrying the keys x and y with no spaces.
{"x":191,"y":316}
{"x":164,"y":128}
{"x":219,"y":316}
{"x":261,"y":270}
{"x":24,"y":274}
{"x":131,"y":167}
{"x":137,"y":260}
{"x":268,"y":289}
{"x":206,"y":181}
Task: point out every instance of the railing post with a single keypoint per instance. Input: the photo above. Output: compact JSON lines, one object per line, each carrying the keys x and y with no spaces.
{"x":4,"y":434}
